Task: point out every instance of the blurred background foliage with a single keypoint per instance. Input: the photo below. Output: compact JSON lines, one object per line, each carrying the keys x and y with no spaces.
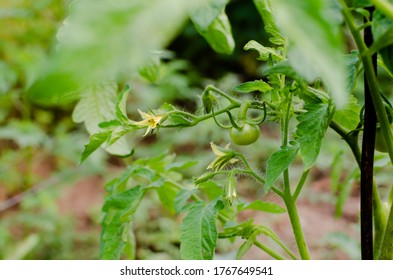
{"x":40,"y":146}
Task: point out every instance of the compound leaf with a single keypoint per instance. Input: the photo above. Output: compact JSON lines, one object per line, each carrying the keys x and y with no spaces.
{"x":199,"y":235}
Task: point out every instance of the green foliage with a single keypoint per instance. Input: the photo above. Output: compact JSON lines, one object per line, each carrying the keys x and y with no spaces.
{"x":311,"y":129}
{"x":278,"y":162}
{"x":213,"y":24}
{"x":303,"y":84}
{"x":95,"y":59}
{"x":312,"y":31}
{"x":199,"y":232}
{"x":258,"y":85}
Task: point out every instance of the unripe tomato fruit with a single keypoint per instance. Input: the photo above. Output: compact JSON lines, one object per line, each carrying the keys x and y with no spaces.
{"x":246,"y":135}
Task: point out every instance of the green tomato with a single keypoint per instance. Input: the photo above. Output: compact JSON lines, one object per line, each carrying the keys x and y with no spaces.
{"x":246,"y":135}
{"x":380,"y":143}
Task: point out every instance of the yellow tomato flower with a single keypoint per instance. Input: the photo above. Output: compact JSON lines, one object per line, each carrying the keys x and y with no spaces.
{"x":224,"y":156}
{"x":149,"y":120}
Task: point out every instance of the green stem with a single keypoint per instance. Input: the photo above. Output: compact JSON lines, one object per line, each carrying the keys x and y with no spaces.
{"x":223,"y":94}
{"x":351,"y":140}
{"x":289,"y":200}
{"x":379,"y":221}
{"x":300,"y":184}
{"x":384,"y":6}
{"x":269,"y":251}
{"x":387,"y":243}
{"x":297,"y":228}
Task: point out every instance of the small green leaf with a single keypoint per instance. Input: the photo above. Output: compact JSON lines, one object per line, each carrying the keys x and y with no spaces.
{"x":151,"y":70}
{"x":96,"y":105}
{"x":198,"y":234}
{"x":382,"y":30}
{"x":96,"y":140}
{"x":219,"y":34}
{"x":264,"y":52}
{"x":180,"y":165}
{"x":246,"y":246}
{"x":278,"y":162}
{"x":181,"y":199}
{"x":257,"y":85}
{"x":242,"y":230}
{"x":348,"y":117}
{"x":260,"y":205}
{"x":311,"y":130}
{"x":283,"y":68}
{"x":204,"y":15}
{"x":316,"y":44}
{"x":361,"y":3}
{"x":352,"y":64}
{"x":119,"y":209}
{"x":265,"y":11}
{"x":121,"y":105}
{"x":167,"y":194}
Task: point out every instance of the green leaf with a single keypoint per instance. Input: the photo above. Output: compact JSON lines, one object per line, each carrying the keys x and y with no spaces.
{"x":167,"y":194}
{"x":246,"y":246}
{"x":151,"y":70}
{"x":382,"y":30}
{"x":198,"y":234}
{"x":211,"y":188}
{"x":348,"y":117}
{"x":361,"y":3}
{"x":336,"y":170}
{"x":121,"y":105}
{"x":352,"y":64}
{"x":283,"y":68}
{"x":119,"y":209}
{"x":243,"y":230}
{"x":265,"y":11}
{"x":257,"y":85}
{"x":344,"y":191}
{"x":96,"y":140}
{"x":260,"y":205}
{"x":106,"y":38}
{"x":181,"y":199}
{"x":278,"y":162}
{"x":204,"y":15}
{"x":317,"y":44}
{"x":97,"y":105}
{"x":219,"y":34}
{"x":264,"y":52}
{"x":180,"y":165}
{"x":311,"y":130}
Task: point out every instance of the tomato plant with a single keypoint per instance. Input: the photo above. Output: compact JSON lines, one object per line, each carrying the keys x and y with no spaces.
{"x":306,"y":87}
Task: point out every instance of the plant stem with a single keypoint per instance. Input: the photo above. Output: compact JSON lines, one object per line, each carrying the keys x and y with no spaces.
{"x":269,"y":251}
{"x":289,"y":200}
{"x":351,"y":141}
{"x":379,"y":221}
{"x":367,"y":163}
{"x":297,"y":228}
{"x":300,"y":184}
{"x":387,"y":243}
